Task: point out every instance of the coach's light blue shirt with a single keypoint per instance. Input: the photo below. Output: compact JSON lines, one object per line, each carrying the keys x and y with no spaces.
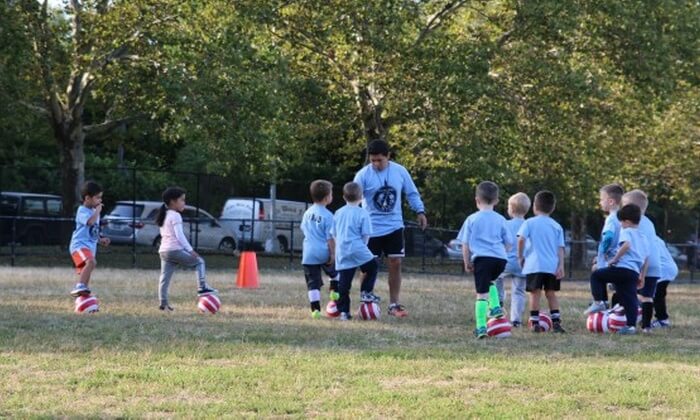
{"x":669,"y":268}
{"x":351,"y":225}
{"x":513,"y":266}
{"x":486,"y":234}
{"x":544,"y":238}
{"x":382,"y":191}
{"x":647,"y":228}
{"x":638,"y":250}
{"x":84,"y":235}
{"x":316,"y":225}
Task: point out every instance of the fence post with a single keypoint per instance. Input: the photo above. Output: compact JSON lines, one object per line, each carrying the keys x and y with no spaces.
{"x":133,"y":217}
{"x":423,"y":253}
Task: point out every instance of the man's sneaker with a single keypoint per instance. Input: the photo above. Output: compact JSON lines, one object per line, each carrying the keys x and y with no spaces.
{"x":626,"y":330}
{"x":661,"y":324}
{"x":480,"y":333}
{"x":516,"y":324}
{"x":537,"y":328}
{"x":316,"y":314}
{"x":369,"y":297}
{"x":397,"y":310}
{"x":345,"y":316}
{"x":206,"y":290}
{"x":496,"y":312}
{"x":166,"y":308}
{"x":334,"y":295}
{"x":557,"y":328}
{"x":596,"y":307}
{"x":80,"y":289}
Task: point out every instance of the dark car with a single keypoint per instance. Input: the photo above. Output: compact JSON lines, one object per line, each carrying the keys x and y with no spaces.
{"x":420,"y":243}
{"x":33,"y":224}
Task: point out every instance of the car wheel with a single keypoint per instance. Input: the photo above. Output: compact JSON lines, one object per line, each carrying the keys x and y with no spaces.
{"x":282,"y":242}
{"x":227,"y":245}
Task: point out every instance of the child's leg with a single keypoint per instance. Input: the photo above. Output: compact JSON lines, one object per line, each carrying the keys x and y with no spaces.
{"x":188,"y":260}
{"x":501,"y":290}
{"x":553,"y":303}
{"x":333,"y":287}
{"x":534,"y":287}
{"x":599,"y":280}
{"x":660,"y":301}
{"x":496,"y":267}
{"x":482,"y":283}
{"x":370,"y":269}
{"x":86,"y":272}
{"x":167,"y":268}
{"x":344,"y":285}
{"x":517,"y":298}
{"x":312,"y":274}
{"x":626,"y":288}
{"x":647,"y":298}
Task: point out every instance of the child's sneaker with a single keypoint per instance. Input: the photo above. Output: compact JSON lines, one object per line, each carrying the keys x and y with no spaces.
{"x":316,"y":314}
{"x":496,"y":312}
{"x":557,"y":328}
{"x":334,"y":295}
{"x":626,"y":330}
{"x":516,"y":324}
{"x":596,"y":307}
{"x":369,"y":297}
{"x":397,"y":310}
{"x":166,"y":308}
{"x":345,"y":316}
{"x":661,"y":324}
{"x":646,"y":330}
{"x":206,"y":290}
{"x":80,"y":289}
{"x":537,"y":328}
{"x":480,"y":333}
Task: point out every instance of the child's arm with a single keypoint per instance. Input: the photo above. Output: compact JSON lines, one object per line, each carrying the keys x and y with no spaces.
{"x":521,"y":250}
{"x":331,"y":251}
{"x":620,"y":252}
{"x":643,"y":273}
{"x":95,"y":215}
{"x":560,"y":266}
{"x":466,"y":255}
{"x":181,"y":238}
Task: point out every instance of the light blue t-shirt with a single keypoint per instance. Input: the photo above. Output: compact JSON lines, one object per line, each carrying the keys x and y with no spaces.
{"x":647,"y":228}
{"x":316,"y":225}
{"x":669,"y":268}
{"x":638,"y":250}
{"x":612,"y":224}
{"x":486,"y":234}
{"x":351,"y":227}
{"x":382,"y":191}
{"x":544,"y":238}
{"x":84,"y":235}
{"x":513,"y":266}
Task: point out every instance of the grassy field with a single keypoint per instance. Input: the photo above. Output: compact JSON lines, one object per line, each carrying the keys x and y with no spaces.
{"x":263,"y":356}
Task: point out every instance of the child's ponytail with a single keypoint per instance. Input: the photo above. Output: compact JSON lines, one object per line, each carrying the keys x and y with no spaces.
{"x":170,"y":194}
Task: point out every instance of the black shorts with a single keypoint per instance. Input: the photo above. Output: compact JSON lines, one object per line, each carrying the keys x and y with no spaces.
{"x":649,"y":288}
{"x":486,"y":270}
{"x":313,"y":275}
{"x":391,"y":244}
{"x":539,"y":281}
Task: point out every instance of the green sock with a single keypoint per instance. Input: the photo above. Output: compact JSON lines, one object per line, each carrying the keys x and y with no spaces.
{"x":481,"y":307}
{"x":494,"y":302}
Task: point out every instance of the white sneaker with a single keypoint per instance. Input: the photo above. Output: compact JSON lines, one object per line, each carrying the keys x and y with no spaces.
{"x":596,"y":307}
{"x":344,"y":316}
{"x":369,"y":297}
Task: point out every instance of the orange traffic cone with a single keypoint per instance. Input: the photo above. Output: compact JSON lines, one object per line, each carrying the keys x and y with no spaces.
{"x":247,"y":271}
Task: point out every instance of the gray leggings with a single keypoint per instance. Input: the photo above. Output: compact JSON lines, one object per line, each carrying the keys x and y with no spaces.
{"x":169,"y":260}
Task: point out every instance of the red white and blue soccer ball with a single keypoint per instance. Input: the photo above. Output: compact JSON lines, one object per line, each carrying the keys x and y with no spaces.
{"x":618,"y":319}
{"x":499,"y":328}
{"x":545,"y":322}
{"x":598,"y":322}
{"x":369,"y":311}
{"x":86,"y":305}
{"x":332,"y":309}
{"x":209,"y":304}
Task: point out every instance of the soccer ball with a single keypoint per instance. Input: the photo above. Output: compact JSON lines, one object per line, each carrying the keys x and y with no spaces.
{"x":545,"y":322}
{"x":598,"y":322}
{"x":618,"y":319}
{"x":332,"y":310}
{"x":499,"y":328}
{"x":369,"y":311}
{"x":209,"y":304}
{"x":86,"y":305}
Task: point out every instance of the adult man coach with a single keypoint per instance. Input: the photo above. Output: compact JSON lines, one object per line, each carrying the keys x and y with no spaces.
{"x":383,"y":184}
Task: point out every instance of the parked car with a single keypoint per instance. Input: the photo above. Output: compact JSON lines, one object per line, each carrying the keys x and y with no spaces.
{"x":420,"y":243}
{"x":591,"y":246}
{"x":454,"y":250}
{"x":38,"y":231}
{"x":678,"y":256}
{"x":128,"y":220}
{"x":252,"y":220}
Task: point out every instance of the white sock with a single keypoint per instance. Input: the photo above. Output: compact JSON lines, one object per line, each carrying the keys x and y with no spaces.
{"x":314,"y":295}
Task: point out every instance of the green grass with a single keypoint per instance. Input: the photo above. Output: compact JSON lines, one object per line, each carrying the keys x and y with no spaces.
{"x":263,"y":356}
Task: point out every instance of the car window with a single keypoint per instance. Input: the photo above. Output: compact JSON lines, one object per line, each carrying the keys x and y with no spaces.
{"x":8,"y":205}
{"x":152,"y":215}
{"x":126,"y":211}
{"x":53,"y":207}
{"x":33,"y":207}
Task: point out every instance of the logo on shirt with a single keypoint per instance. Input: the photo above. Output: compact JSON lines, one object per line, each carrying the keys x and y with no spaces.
{"x":385,"y":199}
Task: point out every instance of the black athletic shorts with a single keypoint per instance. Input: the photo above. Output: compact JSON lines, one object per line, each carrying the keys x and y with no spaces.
{"x":313,"y":275}
{"x":486,"y":270}
{"x":539,"y":281}
{"x":390,"y":245}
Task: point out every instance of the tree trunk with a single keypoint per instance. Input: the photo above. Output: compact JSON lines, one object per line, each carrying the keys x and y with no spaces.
{"x":578,"y":245}
{"x":71,"y":142}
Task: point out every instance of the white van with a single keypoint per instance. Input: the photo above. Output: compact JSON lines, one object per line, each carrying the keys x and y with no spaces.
{"x":251,"y":219}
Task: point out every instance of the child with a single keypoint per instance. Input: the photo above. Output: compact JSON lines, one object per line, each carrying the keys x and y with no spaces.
{"x":646,"y":292}
{"x":351,"y":231}
{"x":319,"y":249}
{"x":610,"y":198}
{"x":83,"y":242}
{"x":485,"y":240}
{"x":542,"y":260}
{"x":518,"y":206}
{"x":626,"y":270}
{"x":669,"y":271}
{"x":175,"y":250}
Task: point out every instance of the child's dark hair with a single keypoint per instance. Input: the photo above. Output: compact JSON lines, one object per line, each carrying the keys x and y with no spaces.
{"x":352,"y":191}
{"x":545,"y":201}
{"x":170,"y":194}
{"x":320,"y":189}
{"x":378,"y":147}
{"x":487,"y":192}
{"x":614,"y":191}
{"x":90,"y":189}
{"x":631,"y":213}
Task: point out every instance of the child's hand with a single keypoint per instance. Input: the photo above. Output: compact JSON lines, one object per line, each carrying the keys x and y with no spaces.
{"x":469,"y":267}
{"x":560,"y":273}
{"x":98,"y":208}
{"x":521,"y":261}
{"x":194,"y":253}
{"x":105,"y":241}
{"x":640,"y":282}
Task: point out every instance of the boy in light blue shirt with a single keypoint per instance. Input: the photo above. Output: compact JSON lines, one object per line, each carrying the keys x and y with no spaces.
{"x":626,"y":270}
{"x":318,"y":254}
{"x":669,"y":271}
{"x":485,"y":240}
{"x":610,"y":199}
{"x":351,"y":231}
{"x":542,"y":260}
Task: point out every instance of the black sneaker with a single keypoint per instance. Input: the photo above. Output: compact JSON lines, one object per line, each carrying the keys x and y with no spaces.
{"x":206,"y":290}
{"x":557,"y":328}
{"x":537,"y":328}
{"x":166,"y":308}
{"x":517,"y":324}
